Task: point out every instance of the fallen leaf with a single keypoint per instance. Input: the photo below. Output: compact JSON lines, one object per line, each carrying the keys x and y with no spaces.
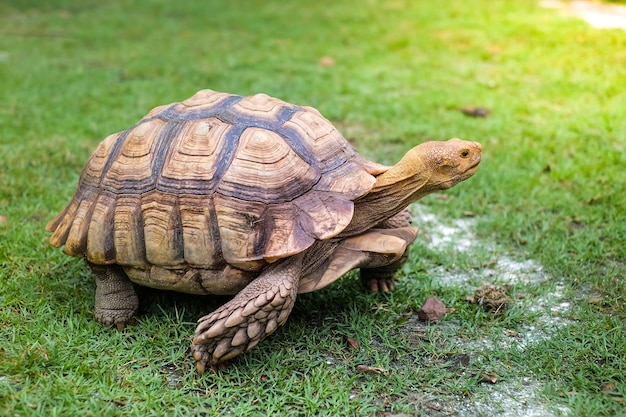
{"x":511,"y":333}
{"x":575,"y":223}
{"x":488,"y":264}
{"x":469,"y":213}
{"x":3,"y":220}
{"x":327,"y":61}
{"x":365,"y":369}
{"x":432,"y":310}
{"x":460,"y":360}
{"x":434,"y":407}
{"x":352,"y":343}
{"x":36,"y":217}
{"x":475,"y":111}
{"x":608,"y":387}
{"x":491,"y":378}
{"x":595,"y":300}
{"x":593,"y":199}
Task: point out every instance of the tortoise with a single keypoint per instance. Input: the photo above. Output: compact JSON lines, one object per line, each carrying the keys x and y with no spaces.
{"x":246,"y":196}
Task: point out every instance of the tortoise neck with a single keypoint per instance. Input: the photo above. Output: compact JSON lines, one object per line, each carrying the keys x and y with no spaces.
{"x":394,"y":190}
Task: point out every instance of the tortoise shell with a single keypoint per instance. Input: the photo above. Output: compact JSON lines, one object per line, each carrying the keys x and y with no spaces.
{"x":217,"y":181}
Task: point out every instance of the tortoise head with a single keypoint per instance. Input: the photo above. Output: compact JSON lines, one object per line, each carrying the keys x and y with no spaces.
{"x":427,"y":168}
{"x":448,"y":162}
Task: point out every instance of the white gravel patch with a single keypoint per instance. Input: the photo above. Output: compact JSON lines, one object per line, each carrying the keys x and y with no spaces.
{"x":458,"y":235}
{"x":516,"y":398}
{"x":512,"y":398}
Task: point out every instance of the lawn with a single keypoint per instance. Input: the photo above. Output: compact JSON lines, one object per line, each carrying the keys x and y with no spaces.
{"x":550,"y":195}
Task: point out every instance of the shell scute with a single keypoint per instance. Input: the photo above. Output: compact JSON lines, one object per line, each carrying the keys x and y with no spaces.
{"x":128,"y":235}
{"x":202,"y":247}
{"x":162,"y":229}
{"x":101,"y":233}
{"x":192,"y":165}
{"x":76,"y":240}
{"x":263,"y":170}
{"x":92,"y":173}
{"x":131,"y":167}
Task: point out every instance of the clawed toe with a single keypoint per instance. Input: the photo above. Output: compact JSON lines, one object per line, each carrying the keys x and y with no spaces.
{"x":203,"y":355}
{"x":215,"y":343}
{"x":380,"y":285}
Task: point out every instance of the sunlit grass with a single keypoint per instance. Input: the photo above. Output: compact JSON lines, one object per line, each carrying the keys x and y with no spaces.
{"x":551,"y":187}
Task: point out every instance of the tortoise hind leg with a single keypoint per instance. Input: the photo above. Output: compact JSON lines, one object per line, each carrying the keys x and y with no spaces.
{"x":252,"y":315}
{"x":380,"y":279}
{"x":116,"y":299}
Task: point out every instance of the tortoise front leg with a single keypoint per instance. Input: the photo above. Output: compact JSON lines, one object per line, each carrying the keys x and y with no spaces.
{"x":381,"y":278}
{"x":116,"y":299}
{"x":252,"y":315}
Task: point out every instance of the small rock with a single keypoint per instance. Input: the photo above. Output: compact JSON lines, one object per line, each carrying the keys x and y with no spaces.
{"x":432,"y":310}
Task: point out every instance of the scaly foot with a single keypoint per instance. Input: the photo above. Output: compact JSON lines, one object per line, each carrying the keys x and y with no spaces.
{"x":251,"y":316}
{"x":116,"y":299}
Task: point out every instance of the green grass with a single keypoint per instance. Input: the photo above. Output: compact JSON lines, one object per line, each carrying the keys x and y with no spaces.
{"x":552,"y":187}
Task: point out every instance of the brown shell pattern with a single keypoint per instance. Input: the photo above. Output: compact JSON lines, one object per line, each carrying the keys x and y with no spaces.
{"x":217,"y":179}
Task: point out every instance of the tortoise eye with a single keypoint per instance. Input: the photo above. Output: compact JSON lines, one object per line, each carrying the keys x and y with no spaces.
{"x":465,"y":153}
